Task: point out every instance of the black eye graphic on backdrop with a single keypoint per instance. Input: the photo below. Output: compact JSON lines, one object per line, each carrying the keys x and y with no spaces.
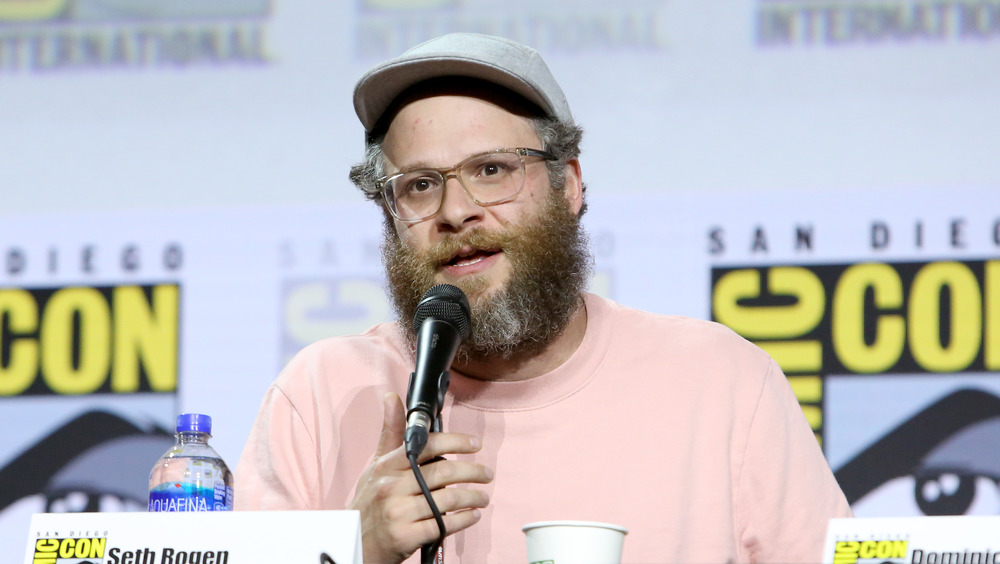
{"x":951,"y":476}
{"x":951,"y":449}
{"x":93,"y":457}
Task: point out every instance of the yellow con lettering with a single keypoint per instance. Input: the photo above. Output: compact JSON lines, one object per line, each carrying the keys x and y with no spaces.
{"x":896,"y":549}
{"x":67,"y":547}
{"x":78,"y":340}
{"x":82,"y":548}
{"x":848,"y":318}
{"x":868,"y":549}
{"x":47,"y":545}
{"x":93,"y":341}
{"x":90,"y":548}
{"x":939,"y":313}
{"x":882,"y":549}
{"x":145,"y":331}
{"x":846,"y":552}
{"x":965,"y":320}
{"x":21,"y":311}
{"x":772,"y":322}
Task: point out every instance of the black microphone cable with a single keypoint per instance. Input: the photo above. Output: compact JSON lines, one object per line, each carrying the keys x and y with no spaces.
{"x":414,"y":445}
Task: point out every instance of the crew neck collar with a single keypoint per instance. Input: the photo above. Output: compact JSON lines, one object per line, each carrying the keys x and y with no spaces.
{"x":547,"y":388}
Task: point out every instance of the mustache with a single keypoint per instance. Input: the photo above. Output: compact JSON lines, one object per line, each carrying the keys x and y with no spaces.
{"x":478,"y":238}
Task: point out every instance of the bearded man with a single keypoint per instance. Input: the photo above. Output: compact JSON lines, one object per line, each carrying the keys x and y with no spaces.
{"x":562,"y":405}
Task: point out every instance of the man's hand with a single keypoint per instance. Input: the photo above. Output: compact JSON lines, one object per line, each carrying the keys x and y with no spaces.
{"x":395,"y":518}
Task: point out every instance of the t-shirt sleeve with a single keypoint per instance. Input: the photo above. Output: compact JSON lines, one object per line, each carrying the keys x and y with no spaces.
{"x":279,"y":467}
{"x":787,"y":492}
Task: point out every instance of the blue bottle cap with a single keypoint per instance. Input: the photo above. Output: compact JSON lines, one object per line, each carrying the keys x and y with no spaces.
{"x":194,"y":423}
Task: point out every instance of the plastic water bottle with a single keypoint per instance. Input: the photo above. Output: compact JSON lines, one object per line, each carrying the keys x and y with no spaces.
{"x":191,"y":476}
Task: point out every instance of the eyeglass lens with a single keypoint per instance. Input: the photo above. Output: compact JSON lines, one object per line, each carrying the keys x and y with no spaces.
{"x":487,"y":178}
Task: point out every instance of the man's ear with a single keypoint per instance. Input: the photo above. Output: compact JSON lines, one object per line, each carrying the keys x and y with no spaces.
{"x":573,"y":190}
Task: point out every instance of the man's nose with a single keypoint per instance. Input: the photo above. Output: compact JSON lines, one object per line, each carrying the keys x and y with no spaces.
{"x":458,"y":209}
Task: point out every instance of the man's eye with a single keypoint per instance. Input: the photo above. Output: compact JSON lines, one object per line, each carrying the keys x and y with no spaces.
{"x":493,"y":168}
{"x":421,"y":184}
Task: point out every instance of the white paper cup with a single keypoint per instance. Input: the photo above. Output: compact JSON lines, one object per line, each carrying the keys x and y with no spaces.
{"x":574,"y":542}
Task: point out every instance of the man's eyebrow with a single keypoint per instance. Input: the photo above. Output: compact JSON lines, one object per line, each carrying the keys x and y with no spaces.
{"x":419,"y":165}
{"x":424,"y":165}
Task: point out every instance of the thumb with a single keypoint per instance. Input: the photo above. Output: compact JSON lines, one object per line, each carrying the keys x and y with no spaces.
{"x":393,"y":424}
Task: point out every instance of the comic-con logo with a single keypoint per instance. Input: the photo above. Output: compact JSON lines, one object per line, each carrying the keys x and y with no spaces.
{"x":850,"y":552}
{"x":53,"y":35}
{"x":864,"y":318}
{"x":84,"y":340}
{"x":791,"y":23}
{"x":867,"y":318}
{"x":81,"y":549}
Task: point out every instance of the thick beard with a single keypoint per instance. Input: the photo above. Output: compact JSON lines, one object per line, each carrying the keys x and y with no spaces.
{"x":550,"y":267}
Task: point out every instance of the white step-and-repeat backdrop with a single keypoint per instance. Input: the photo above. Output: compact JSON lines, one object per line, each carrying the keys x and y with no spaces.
{"x":175,"y":219}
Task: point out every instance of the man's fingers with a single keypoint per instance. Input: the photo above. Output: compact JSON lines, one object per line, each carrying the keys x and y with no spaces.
{"x":439,"y":445}
{"x":414,"y":513}
{"x":458,"y":520}
{"x":443,"y":444}
{"x":450,"y":500}
{"x":459,"y":510}
{"x":453,"y":522}
{"x":393,"y":424}
{"x":450,"y":472}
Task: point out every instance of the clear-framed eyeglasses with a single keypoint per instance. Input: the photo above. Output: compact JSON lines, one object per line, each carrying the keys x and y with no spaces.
{"x":489,"y":178}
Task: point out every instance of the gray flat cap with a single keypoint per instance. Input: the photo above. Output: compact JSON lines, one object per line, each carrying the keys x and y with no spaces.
{"x":494,"y":59}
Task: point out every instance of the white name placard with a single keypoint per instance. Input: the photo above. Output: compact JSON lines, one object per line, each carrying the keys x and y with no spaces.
{"x":224,"y":537}
{"x":913,"y":540}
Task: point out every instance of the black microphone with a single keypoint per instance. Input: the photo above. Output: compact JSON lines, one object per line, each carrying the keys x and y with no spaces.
{"x":442,"y":322}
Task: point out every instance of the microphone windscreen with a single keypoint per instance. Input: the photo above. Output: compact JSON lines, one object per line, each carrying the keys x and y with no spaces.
{"x":447,"y":303}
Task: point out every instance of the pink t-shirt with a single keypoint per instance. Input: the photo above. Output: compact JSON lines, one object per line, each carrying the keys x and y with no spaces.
{"x":674,"y":428}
